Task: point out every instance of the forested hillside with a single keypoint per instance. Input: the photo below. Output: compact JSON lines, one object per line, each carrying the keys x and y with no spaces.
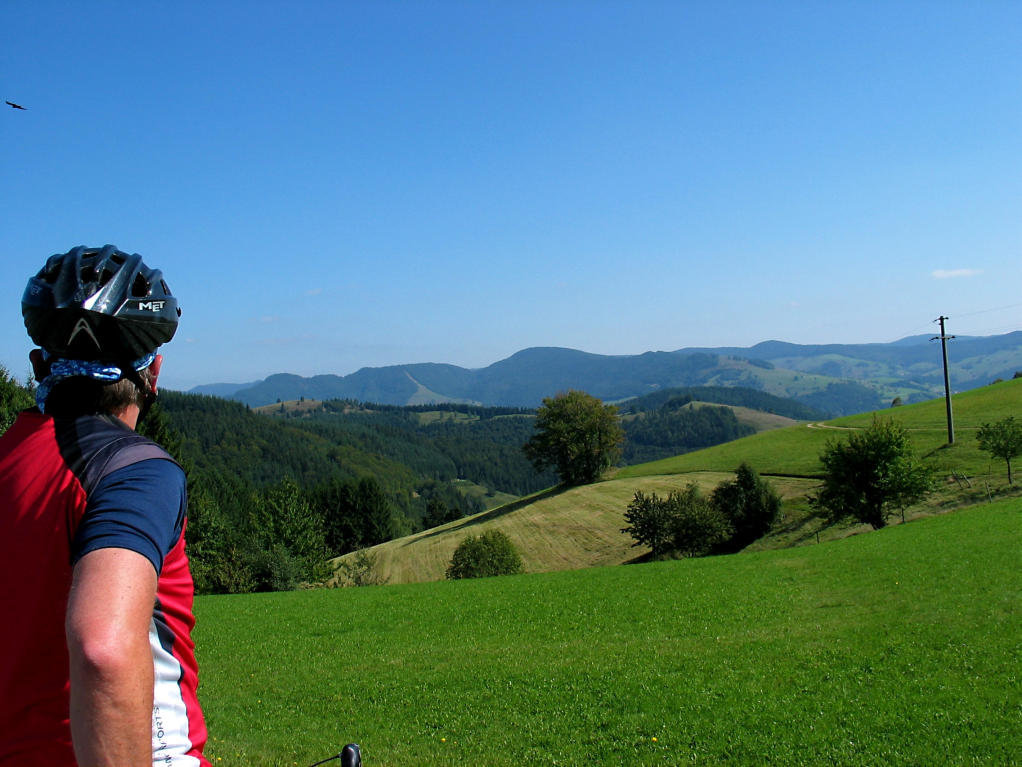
{"x":679,"y":427}
{"x":724,"y":395}
{"x":840,"y":379}
{"x":441,"y":442}
{"x":272,"y":498}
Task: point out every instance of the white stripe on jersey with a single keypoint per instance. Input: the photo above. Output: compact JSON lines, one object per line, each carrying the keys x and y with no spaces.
{"x":170,"y":718}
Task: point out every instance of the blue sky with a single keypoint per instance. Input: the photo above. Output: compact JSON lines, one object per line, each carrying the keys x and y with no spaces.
{"x":333,"y":185}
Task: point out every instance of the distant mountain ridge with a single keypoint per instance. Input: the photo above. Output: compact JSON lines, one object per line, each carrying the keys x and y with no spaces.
{"x":836,"y":378}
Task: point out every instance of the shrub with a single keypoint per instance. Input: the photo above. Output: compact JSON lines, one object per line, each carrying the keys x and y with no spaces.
{"x":490,"y":553}
{"x":276,"y":568}
{"x":698,"y":526}
{"x":361,"y":570}
{"x":684,"y":522}
{"x":749,"y":504}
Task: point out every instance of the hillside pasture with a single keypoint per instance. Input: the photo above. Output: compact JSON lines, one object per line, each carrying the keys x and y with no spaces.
{"x":761,"y":421}
{"x":560,"y":529}
{"x":795,"y":451}
{"x":292,"y":406}
{"x":792,"y":451}
{"x":757,"y":419}
{"x":581,"y":527}
{"x":900,"y":647}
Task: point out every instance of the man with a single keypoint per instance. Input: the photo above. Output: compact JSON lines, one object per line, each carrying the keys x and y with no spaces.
{"x":96,"y":659}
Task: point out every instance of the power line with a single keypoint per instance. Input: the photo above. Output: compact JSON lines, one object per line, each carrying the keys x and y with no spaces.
{"x":987,"y":311}
{"x":988,"y":331}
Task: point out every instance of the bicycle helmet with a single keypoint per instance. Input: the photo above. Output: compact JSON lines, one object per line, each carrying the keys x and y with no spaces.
{"x":99,"y":304}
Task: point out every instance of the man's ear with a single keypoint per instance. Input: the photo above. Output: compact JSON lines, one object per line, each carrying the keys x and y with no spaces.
{"x":154,"y":370}
{"x":40,"y":367}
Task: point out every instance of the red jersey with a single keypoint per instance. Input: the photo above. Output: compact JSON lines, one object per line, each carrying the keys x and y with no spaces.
{"x":68,"y":487}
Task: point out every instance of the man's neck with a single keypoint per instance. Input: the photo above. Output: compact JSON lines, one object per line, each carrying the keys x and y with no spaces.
{"x":128,"y":416}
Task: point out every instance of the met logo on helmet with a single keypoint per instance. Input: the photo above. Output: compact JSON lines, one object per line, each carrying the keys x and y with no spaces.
{"x":151,"y":306}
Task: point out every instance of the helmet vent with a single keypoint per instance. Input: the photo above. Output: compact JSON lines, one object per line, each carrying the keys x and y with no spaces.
{"x":140,"y":286}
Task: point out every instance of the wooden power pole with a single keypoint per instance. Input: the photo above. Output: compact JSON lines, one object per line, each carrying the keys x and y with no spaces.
{"x":947,"y":381}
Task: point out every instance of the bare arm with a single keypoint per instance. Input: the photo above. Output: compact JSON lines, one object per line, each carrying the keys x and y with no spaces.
{"x":108,"y":615}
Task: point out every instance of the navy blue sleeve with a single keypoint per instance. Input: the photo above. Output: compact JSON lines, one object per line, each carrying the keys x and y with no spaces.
{"x":140,"y":507}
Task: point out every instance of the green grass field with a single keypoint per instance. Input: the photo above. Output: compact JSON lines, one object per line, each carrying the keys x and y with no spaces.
{"x":795,"y":450}
{"x":896,"y":647}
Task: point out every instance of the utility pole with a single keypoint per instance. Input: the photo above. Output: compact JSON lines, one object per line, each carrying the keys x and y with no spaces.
{"x":947,"y":382}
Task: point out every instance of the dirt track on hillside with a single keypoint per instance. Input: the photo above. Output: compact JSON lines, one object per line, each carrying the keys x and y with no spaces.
{"x":818,"y":425}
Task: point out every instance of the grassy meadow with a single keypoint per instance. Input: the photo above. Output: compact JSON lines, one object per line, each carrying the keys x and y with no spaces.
{"x":896,"y":647}
{"x":795,"y":450}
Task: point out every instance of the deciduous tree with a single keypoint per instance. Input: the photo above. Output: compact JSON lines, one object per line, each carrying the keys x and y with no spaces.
{"x":870,"y":474}
{"x":1002,"y":439}
{"x":288,"y":538}
{"x":576,"y":434}
{"x":13,"y":399}
{"x":650,"y":522}
{"x":750,"y":505}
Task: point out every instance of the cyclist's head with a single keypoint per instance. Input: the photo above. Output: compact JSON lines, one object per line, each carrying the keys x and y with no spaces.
{"x":98,"y":315}
{"x":99,"y":305}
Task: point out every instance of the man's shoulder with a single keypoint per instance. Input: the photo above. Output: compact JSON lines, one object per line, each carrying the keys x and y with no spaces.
{"x":95,"y":446}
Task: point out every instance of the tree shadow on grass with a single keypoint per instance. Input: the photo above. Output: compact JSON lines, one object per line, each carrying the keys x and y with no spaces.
{"x":492,"y":514}
{"x":803,"y":529}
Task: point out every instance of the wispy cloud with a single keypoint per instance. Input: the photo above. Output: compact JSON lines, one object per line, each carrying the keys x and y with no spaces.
{"x":314,"y":292}
{"x":268,"y":318}
{"x":288,"y":341}
{"x":951,"y":274}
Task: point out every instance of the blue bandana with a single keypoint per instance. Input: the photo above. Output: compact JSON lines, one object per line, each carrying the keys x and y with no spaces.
{"x":61,"y":369}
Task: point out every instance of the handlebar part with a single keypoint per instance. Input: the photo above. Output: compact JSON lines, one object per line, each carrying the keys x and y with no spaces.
{"x":350,"y":756}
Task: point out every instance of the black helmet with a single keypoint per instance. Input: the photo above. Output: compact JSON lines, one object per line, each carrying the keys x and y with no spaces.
{"x":99,"y":304}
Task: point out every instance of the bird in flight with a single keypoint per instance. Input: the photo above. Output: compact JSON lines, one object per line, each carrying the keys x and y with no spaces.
{"x":12,"y":105}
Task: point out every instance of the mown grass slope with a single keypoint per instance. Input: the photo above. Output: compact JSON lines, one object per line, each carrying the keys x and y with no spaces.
{"x":796,"y":450}
{"x":581,"y":527}
{"x":900,"y":647}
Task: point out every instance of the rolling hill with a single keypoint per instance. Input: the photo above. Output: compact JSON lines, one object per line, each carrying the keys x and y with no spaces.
{"x":839,"y":379}
{"x":580,"y":527}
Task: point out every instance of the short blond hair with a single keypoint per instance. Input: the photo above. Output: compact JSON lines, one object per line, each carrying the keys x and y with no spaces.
{"x":85,"y":396}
